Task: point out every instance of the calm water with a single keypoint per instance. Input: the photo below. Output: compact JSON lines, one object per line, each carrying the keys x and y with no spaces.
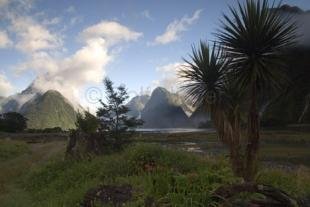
{"x":172,"y":130}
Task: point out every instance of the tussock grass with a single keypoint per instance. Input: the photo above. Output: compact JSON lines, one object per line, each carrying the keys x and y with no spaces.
{"x":170,"y":177}
{"x":10,"y":149}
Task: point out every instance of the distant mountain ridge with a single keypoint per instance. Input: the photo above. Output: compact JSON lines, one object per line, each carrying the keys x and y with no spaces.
{"x":136,"y":105}
{"x":43,"y":110}
{"x":291,"y":9}
{"x":162,"y":111}
{"x":1,"y":100}
{"x":200,"y":117}
{"x":49,"y":110}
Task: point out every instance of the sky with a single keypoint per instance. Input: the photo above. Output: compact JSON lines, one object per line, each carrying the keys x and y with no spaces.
{"x":71,"y":45}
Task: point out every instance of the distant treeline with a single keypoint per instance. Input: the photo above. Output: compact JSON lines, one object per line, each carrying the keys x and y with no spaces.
{"x":46,"y":130}
{"x":14,"y":122}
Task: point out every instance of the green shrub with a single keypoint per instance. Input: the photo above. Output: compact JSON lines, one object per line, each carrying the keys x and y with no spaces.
{"x":178,"y":178}
{"x":163,"y":158}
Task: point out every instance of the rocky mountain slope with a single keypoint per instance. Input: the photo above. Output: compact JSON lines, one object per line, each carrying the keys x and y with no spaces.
{"x":136,"y":105}
{"x":48,"y":110}
{"x":200,"y":117}
{"x":163,"y":111}
{"x":43,"y":110}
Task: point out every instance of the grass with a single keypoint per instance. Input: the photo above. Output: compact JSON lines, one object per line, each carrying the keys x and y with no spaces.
{"x":296,"y":183}
{"x":37,"y":175}
{"x":177,"y":177}
{"x":11,"y":149}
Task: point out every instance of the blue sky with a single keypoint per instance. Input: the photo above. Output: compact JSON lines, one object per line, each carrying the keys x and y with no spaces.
{"x":70,"y":45}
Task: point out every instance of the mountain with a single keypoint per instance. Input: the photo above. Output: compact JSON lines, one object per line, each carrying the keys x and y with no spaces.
{"x":180,"y":101}
{"x":15,"y":102}
{"x":1,"y":101}
{"x":289,"y":9}
{"x":164,"y":111}
{"x":291,"y":106}
{"x":301,"y":19}
{"x":136,"y":105}
{"x":200,"y":117}
{"x":49,"y":110}
{"x":43,"y":110}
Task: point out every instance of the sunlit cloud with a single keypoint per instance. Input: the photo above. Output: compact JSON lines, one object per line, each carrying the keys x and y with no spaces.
{"x":176,"y":28}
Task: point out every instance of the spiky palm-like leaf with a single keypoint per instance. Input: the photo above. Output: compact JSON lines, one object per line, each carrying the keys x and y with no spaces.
{"x":207,"y":83}
{"x":254,"y":36}
{"x":204,"y":75}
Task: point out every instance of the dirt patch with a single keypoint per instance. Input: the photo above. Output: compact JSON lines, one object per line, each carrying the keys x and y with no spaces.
{"x":108,"y":194}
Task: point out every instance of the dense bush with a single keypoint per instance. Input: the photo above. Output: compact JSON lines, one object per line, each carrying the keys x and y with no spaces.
{"x":12,"y":122}
{"x":87,"y":122}
{"x":46,"y":130}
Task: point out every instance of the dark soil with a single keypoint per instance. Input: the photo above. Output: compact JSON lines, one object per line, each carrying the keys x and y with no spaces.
{"x":107,"y":194}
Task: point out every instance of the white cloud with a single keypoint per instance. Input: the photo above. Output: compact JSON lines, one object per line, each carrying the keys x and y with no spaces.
{"x":111,"y":31}
{"x":146,"y":14}
{"x":70,"y":9}
{"x":53,"y":21}
{"x":17,"y":6}
{"x":76,"y":20}
{"x":169,"y":76}
{"x":40,"y":62}
{"x":32,"y":36}
{"x":175,"y":28}
{"x":75,"y":17}
{"x":4,"y":40}
{"x":5,"y":86}
{"x":36,"y":37}
{"x":86,"y":66}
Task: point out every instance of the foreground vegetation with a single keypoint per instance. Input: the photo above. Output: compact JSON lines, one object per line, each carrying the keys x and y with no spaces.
{"x":37,"y":175}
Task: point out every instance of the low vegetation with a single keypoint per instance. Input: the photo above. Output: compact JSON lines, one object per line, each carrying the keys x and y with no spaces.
{"x":158,"y":176}
{"x":12,"y":149}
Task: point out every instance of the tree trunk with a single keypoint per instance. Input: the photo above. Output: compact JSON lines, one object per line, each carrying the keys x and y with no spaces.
{"x":237,"y":161}
{"x":229,"y":132}
{"x":235,"y":149}
{"x":306,"y":108}
{"x":253,"y":138}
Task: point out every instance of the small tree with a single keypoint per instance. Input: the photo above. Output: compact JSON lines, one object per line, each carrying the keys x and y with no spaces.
{"x":85,"y":140}
{"x":12,"y":122}
{"x":113,"y":113}
{"x":87,"y":122}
